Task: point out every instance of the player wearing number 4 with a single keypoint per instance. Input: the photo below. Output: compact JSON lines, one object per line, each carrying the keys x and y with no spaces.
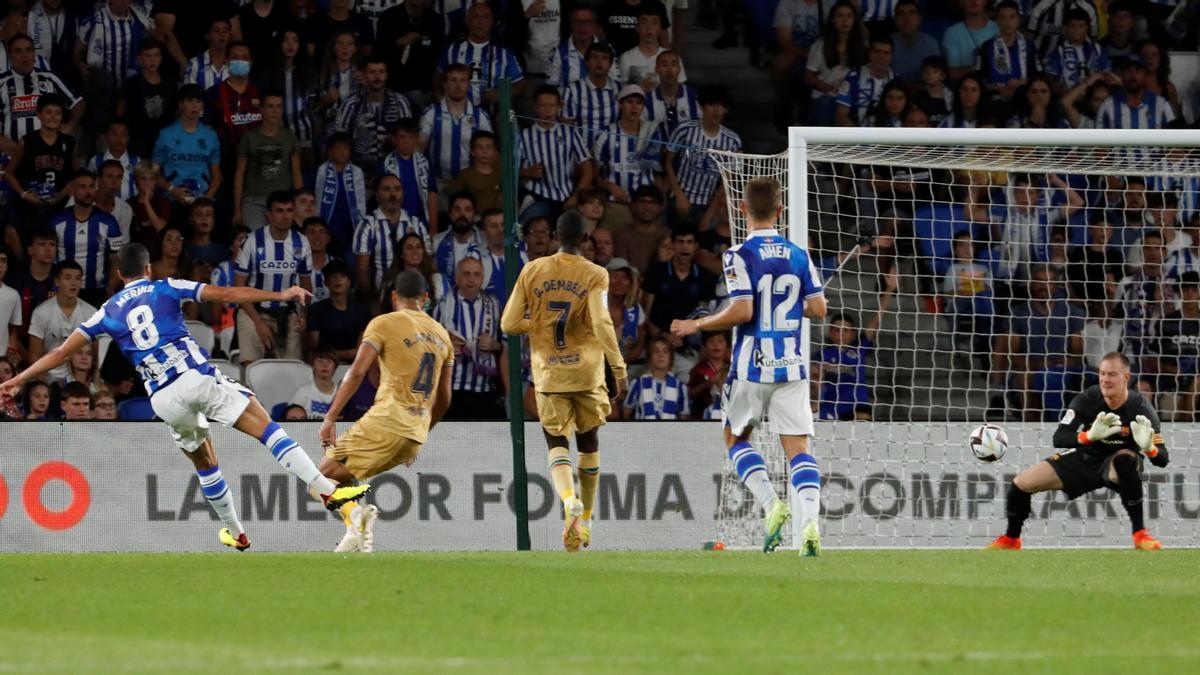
{"x":1103,"y":452}
{"x":186,"y":391}
{"x":562,"y":302}
{"x":416,"y":362}
{"x":773,"y":285}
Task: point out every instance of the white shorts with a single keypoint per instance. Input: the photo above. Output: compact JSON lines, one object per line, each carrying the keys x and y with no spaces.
{"x":188,"y":403}
{"x":786,"y":405}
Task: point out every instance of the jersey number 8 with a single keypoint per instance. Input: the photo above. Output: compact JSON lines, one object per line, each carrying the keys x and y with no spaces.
{"x":142,"y":328}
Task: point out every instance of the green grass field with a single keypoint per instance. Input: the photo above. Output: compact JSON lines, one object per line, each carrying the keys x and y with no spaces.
{"x":853,"y":611}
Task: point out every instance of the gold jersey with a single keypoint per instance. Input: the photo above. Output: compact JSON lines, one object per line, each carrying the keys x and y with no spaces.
{"x":413,"y":350}
{"x":562,"y":302}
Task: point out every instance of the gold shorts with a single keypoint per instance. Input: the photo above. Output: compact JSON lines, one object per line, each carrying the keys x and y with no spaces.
{"x":368,"y":450}
{"x":564,"y":413}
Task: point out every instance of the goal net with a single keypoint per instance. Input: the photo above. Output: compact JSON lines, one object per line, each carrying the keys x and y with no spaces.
{"x":980,"y":275}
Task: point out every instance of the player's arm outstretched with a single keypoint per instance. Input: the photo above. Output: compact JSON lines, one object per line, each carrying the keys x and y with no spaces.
{"x":49,"y":361}
{"x":244,"y":294}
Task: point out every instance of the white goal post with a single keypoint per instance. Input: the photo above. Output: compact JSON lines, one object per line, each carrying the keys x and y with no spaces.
{"x":1002,"y":302}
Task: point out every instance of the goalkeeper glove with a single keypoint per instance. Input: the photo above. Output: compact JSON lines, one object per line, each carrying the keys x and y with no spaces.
{"x":1105,"y":425}
{"x":1144,"y":436}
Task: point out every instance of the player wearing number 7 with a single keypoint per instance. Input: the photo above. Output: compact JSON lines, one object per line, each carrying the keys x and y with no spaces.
{"x":186,"y":391}
{"x":416,"y":361}
{"x":773,"y":286}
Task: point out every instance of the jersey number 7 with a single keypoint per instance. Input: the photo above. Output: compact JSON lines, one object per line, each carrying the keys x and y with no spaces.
{"x":563,"y":308}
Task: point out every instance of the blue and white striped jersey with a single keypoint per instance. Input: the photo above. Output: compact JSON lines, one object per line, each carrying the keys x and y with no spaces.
{"x":877,"y":10}
{"x":653,"y":399}
{"x":629,"y":160}
{"x":698,"y":173}
{"x":1154,"y":112}
{"x":559,"y":149}
{"x":592,"y":108}
{"x":368,"y":123}
{"x":296,"y":103}
{"x":146,"y":321}
{"x":489,"y":64}
{"x":860,"y":91}
{"x":200,"y":71}
{"x":686,"y":107}
{"x":19,"y":95}
{"x":469,"y":319}
{"x":493,"y":271}
{"x":414,"y":172}
{"x":127,"y":160}
{"x":88,"y":242}
{"x":448,"y":138}
{"x":112,"y":42}
{"x":373,"y":9}
{"x":1072,"y":63}
{"x":377,"y":237}
{"x":566,"y":65}
{"x":778,"y":277}
{"x":274,"y":265}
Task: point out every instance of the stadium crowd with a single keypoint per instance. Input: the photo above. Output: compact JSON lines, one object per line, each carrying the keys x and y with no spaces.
{"x":332,"y":143}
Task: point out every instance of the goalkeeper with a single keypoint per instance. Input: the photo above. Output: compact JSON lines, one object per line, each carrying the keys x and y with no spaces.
{"x":1103,"y":434}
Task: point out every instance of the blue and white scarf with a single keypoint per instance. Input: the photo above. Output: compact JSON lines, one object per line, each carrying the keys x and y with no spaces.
{"x":353,"y":182}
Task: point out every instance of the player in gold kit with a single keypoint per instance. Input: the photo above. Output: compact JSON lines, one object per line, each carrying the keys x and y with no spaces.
{"x":416,"y":360}
{"x":562,"y":302}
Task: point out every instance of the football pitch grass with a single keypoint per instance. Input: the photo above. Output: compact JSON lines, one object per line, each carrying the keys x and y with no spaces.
{"x":547,"y":612}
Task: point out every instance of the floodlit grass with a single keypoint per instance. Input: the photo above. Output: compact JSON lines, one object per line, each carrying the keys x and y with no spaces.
{"x":719,"y":612}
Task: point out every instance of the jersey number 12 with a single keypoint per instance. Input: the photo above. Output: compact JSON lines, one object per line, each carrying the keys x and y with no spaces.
{"x":787,"y":285}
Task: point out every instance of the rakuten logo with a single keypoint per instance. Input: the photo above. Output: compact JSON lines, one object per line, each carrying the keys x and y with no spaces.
{"x":239,"y":119}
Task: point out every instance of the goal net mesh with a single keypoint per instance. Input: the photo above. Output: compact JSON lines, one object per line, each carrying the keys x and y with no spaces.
{"x":982,"y":283}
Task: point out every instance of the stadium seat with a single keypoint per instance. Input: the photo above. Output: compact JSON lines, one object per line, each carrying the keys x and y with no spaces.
{"x":135,"y":410}
{"x":202,"y":333}
{"x":228,"y":369}
{"x":279,"y":411}
{"x":275,"y":380}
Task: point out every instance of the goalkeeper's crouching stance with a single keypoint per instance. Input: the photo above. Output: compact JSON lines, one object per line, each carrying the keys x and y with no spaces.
{"x":1104,"y":433}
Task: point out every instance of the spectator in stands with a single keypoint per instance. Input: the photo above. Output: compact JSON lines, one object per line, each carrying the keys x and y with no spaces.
{"x":149,"y":100}
{"x":910,"y":46}
{"x":376,"y":236}
{"x":1008,"y":60}
{"x":55,"y":319}
{"x":54,"y":31}
{"x":410,"y":36}
{"x":189,"y":151}
{"x":224,"y":323}
{"x":591,"y":206}
{"x":1119,"y":41}
{"x":317,"y":233}
{"x":105,"y":53}
{"x":89,"y":237}
{"x":1178,"y":351}
{"x":1134,"y":106}
{"x":554,"y":160}
{"x":343,"y":189}
{"x":339,"y":18}
{"x":969,"y":109}
{"x":842,"y":47}
{"x":116,"y":142}
{"x":1129,"y":212}
{"x":960,"y":43}
{"x":103,"y":407}
{"x":314,"y":398}
{"x":591,"y":102}
{"x":43,"y":163}
{"x":151,"y":210}
{"x":10,"y":314}
{"x":629,"y":156}
{"x":1077,"y":56}
{"x":707,"y":378}
{"x":233,"y":107}
{"x":637,"y":65}
{"x":200,"y":245}
{"x":676,"y":288}
{"x":81,"y":369}
{"x":489,"y":62}
{"x":24,"y":84}
{"x":76,"y":402}
{"x":841,"y":370}
{"x":473,"y":320}
{"x":1145,"y":295}
{"x":294,"y":413}
{"x":540,"y":34}
{"x":566,"y":62}
{"x":892,"y":106}
{"x":36,"y":281}
{"x":414,"y":172}
{"x":306,"y":205}
{"x":454,"y":244}
{"x":620,"y":20}
{"x":211,"y":66}
{"x":1158,"y":74}
{"x":657,"y":395}
{"x":272,"y":329}
{"x":1024,"y":230}
{"x":481,"y":179}
{"x":605,"y":244}
{"x":256,"y":23}
{"x":967,"y":286}
{"x":10,"y":407}
{"x":414,"y":256}
{"x":108,"y":191}
{"x":538,"y":235}
{"x":169,"y":259}
{"x":368,"y":114}
{"x":1094,"y":268}
{"x":797,"y":25}
{"x":337,"y":74}
{"x":447,"y":126}
{"x":1040,"y":107}
{"x":290,"y":73}
{"x":268,"y":160}
{"x":1162,"y":214}
{"x":35,"y":401}
{"x":1047,"y":21}
{"x":638,"y":242}
{"x":624,"y":305}
{"x":697,"y":180}
{"x":863,"y":86}
{"x":491,"y":254}
{"x":933,"y":95}
{"x":671,"y":103}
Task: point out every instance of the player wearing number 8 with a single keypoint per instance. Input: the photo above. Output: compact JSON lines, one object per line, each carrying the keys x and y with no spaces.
{"x":416,"y":361}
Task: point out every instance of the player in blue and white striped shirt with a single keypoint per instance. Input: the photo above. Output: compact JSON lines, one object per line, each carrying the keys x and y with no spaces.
{"x":110,"y":38}
{"x":773,"y":286}
{"x":211,"y":66}
{"x":146,"y":322}
{"x":472,"y":318}
{"x":376,"y":237}
{"x":88,"y":236}
{"x":591,"y":102}
{"x":629,"y":154}
{"x":489,"y":62}
{"x":447,"y":126}
{"x":697,"y":179}
{"x":552,"y":153}
{"x":659,"y":394}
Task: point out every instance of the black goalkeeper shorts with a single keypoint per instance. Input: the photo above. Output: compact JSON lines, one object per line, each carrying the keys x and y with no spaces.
{"x":1082,"y":472}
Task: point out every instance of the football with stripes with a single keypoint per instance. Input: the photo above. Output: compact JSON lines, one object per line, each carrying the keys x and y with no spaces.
{"x":988,"y":442}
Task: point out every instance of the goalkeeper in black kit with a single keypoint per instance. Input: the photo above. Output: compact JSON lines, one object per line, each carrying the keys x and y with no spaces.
{"x":1103,"y":437}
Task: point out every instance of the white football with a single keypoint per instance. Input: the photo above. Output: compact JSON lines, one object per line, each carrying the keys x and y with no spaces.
{"x":988,"y":442}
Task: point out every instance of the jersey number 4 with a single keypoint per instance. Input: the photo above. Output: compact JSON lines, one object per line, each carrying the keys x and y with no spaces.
{"x":423,"y":382}
{"x":141,"y":327}
{"x":560,"y":324}
{"x":769,"y":286}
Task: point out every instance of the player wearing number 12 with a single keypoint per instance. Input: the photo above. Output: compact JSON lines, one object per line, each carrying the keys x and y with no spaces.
{"x":146,"y":322}
{"x":773,"y":286}
{"x":562,"y":302}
